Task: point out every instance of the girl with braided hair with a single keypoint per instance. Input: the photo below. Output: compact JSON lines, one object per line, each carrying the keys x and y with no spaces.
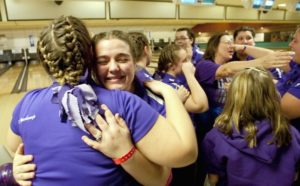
{"x":48,"y":122}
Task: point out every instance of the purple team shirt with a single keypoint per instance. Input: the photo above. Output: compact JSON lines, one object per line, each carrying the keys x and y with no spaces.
{"x":197,"y":55}
{"x":237,"y":164}
{"x":142,"y":74}
{"x":173,"y":81}
{"x":290,"y":83}
{"x":62,"y":158}
{"x":214,"y":89}
{"x":155,"y":101}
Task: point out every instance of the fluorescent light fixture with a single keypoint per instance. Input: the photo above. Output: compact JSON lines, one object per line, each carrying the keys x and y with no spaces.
{"x":201,"y":2}
{"x":298,"y":6}
{"x":268,"y":4}
{"x":188,"y":1}
{"x":282,"y":5}
{"x":257,"y":4}
{"x":206,"y":2}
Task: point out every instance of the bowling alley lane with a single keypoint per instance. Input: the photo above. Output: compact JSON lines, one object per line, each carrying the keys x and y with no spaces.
{"x":37,"y":77}
{"x":9,"y":78}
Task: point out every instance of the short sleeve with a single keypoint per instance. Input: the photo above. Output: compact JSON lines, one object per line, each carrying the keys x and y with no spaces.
{"x":14,"y":125}
{"x":143,"y":75}
{"x":295,"y":88}
{"x":206,"y":72}
{"x":139,"y":116}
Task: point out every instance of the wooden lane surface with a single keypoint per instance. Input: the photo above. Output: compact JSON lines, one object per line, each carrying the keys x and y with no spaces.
{"x":9,"y":78}
{"x":7,"y":105}
{"x":37,"y":77}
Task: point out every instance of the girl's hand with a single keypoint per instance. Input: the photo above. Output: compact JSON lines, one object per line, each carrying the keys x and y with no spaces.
{"x":23,"y":169}
{"x":182,"y":93}
{"x":113,"y":139}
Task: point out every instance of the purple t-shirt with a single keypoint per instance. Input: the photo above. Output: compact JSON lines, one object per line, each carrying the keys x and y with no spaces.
{"x":173,"y":81}
{"x":155,"y":101}
{"x":237,"y":164}
{"x":197,"y":55}
{"x":62,"y":158}
{"x":290,"y":83}
{"x":142,"y":74}
{"x":214,"y":89}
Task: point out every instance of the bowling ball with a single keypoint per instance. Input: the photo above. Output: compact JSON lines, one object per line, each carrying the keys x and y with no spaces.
{"x":6,"y":175}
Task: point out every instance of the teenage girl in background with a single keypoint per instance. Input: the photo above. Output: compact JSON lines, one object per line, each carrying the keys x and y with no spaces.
{"x":252,"y":142}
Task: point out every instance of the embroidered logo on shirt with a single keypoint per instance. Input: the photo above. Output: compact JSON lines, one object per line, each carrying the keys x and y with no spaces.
{"x":27,"y":118}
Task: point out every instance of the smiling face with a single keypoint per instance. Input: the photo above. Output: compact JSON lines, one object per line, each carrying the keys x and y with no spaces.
{"x":182,"y":39}
{"x":295,"y":46}
{"x":225,"y":49}
{"x":115,"y":66}
{"x":244,"y":38}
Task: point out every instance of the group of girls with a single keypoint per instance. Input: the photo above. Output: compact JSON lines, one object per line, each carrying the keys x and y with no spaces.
{"x":105,"y":121}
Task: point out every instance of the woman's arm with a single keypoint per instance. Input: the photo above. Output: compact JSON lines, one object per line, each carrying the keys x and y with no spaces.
{"x":290,"y":106}
{"x":13,"y":140}
{"x":171,"y":141}
{"x":116,"y":142}
{"x":197,"y":101}
{"x":255,"y":52}
{"x":277,"y":59}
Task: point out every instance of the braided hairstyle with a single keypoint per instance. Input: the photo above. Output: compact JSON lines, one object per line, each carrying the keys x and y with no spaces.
{"x":64,"y":48}
{"x":139,"y":41}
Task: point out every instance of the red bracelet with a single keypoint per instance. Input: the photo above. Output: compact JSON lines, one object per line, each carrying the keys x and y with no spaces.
{"x":124,"y":158}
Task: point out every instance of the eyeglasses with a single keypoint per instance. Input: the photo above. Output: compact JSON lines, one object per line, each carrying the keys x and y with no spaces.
{"x":227,"y":42}
{"x":181,"y":38}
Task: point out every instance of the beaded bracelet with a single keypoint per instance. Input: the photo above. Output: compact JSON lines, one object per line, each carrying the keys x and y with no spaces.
{"x":124,"y":158}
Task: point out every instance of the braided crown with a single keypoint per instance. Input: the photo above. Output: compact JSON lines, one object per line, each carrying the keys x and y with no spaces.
{"x":64,"y":49}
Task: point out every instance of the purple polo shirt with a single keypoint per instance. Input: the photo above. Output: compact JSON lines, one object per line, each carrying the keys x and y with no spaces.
{"x":290,"y":83}
{"x":214,"y":89}
{"x":197,"y":55}
{"x":237,"y":164}
{"x":62,"y":158}
{"x":155,"y":101}
{"x":173,"y":81}
{"x":142,"y":74}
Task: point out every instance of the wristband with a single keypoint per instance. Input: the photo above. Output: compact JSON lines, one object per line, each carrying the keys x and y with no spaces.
{"x":124,"y":158}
